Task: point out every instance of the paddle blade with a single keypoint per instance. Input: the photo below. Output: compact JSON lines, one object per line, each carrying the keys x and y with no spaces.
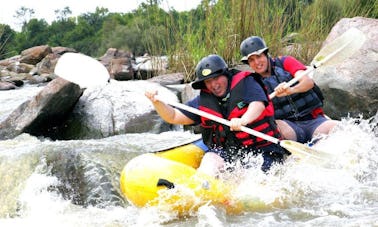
{"x":81,"y":70}
{"x":340,"y":48}
{"x":303,"y":151}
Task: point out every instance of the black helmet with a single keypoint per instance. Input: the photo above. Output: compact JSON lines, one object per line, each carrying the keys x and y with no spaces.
{"x":253,"y":45}
{"x":209,"y":67}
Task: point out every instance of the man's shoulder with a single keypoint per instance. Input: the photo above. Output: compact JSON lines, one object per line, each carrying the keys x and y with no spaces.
{"x":280,"y":59}
{"x":241,"y":72}
{"x":234,"y":71}
{"x":194,"y":102}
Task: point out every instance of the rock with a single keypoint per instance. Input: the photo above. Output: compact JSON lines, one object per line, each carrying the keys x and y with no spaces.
{"x":150,"y":66}
{"x":41,"y":114}
{"x":118,"y":108}
{"x":18,"y":67}
{"x":350,"y":87}
{"x":120,"y":69}
{"x":35,"y":54}
{"x":118,"y":63}
{"x":168,"y":79}
{"x":6,"y":85}
{"x":47,"y":64}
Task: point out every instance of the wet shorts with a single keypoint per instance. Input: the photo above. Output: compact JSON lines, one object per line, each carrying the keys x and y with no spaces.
{"x":305,"y":129}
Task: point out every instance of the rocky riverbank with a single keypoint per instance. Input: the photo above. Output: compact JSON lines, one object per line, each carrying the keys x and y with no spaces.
{"x":62,"y":110}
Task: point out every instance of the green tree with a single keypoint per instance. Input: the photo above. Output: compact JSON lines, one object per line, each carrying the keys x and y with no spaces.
{"x":34,"y":33}
{"x":58,"y":32}
{"x":215,"y":26}
{"x":59,"y":28}
{"x":86,"y":35}
{"x":7,"y":36}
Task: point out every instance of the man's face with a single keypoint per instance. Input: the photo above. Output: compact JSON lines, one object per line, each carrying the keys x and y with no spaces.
{"x":259,"y":63}
{"x":217,"y":85}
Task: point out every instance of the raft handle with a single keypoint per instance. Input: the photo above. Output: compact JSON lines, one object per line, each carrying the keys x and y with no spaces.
{"x":166,"y":183}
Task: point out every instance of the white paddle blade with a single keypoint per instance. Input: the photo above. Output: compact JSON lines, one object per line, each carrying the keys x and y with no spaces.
{"x":81,"y":70}
{"x":340,"y":48}
{"x":303,"y":151}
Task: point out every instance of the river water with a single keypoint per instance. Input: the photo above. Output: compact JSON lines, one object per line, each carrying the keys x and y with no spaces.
{"x":339,"y":191}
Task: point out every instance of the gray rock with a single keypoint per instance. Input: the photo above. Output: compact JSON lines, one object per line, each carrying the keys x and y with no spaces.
{"x":350,"y":87}
{"x":119,"y":107}
{"x":42,"y":113}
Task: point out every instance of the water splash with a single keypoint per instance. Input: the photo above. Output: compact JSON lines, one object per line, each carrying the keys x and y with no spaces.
{"x":327,"y":192}
{"x":342,"y":191}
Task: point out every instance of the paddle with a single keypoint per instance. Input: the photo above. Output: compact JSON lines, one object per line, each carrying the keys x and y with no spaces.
{"x":82,"y":70}
{"x":335,"y":52}
{"x":295,"y":148}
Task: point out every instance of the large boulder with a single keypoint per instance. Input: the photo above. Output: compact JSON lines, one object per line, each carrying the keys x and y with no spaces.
{"x":350,"y":87}
{"x":41,"y":114}
{"x":35,"y":54}
{"x":119,"y":107}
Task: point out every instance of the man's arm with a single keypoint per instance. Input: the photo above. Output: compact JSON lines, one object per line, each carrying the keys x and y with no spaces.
{"x":295,"y":68}
{"x":168,"y":113}
{"x":253,"y":112}
{"x":257,"y":100}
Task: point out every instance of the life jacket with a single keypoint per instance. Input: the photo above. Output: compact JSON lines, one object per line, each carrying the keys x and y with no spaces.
{"x":299,"y":106}
{"x":216,"y":135}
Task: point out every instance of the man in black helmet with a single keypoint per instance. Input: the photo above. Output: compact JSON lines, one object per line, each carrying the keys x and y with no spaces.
{"x":298,"y":108}
{"x":237,"y":96}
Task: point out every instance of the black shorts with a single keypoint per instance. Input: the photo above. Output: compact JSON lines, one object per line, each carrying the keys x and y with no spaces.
{"x":305,"y":129}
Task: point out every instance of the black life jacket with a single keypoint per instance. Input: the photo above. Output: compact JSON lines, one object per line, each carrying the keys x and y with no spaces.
{"x":216,"y":135}
{"x":295,"y":106}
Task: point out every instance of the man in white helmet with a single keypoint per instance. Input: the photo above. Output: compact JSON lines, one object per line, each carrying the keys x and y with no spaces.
{"x":298,"y":108}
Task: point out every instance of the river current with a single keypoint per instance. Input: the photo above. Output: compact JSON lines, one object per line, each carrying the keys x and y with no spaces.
{"x":339,"y":191}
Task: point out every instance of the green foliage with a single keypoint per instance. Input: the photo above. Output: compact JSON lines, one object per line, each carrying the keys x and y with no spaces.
{"x":59,"y":30}
{"x":301,"y":25}
{"x":215,"y":26}
{"x":36,"y":32}
{"x":7,"y":37}
{"x":122,"y":37}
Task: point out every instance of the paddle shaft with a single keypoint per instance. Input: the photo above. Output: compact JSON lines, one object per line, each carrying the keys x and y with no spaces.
{"x":292,"y":146}
{"x":220,"y":120}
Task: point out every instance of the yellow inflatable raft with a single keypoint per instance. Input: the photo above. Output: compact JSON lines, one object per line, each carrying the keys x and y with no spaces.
{"x":170,"y":181}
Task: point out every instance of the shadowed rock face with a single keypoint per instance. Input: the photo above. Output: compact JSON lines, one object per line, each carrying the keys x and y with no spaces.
{"x":339,"y":103}
{"x":44,"y":112}
{"x":82,"y":180}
